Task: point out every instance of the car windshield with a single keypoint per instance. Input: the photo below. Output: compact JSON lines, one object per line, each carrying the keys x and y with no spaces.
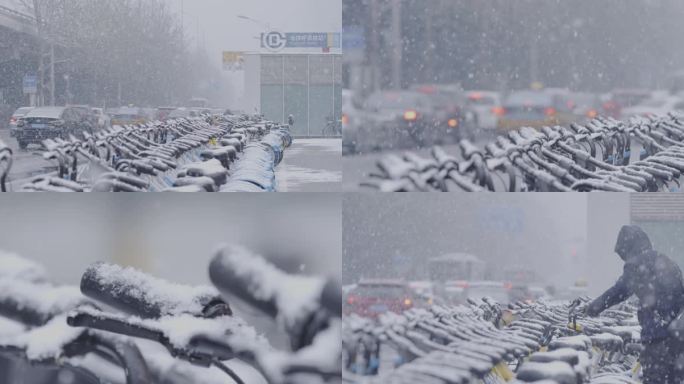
{"x":396,"y":100}
{"x":51,"y":113}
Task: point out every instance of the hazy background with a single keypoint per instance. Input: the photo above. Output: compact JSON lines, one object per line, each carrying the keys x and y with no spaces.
{"x":214,"y":25}
{"x":171,"y":236}
{"x":502,"y":44}
{"x":562,"y":237}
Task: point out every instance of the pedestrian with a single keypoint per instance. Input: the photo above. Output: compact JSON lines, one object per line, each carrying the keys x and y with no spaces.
{"x":290,"y":121}
{"x":656,"y":281}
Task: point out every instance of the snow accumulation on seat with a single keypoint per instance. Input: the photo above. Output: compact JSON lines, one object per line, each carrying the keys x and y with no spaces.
{"x":296,"y":296}
{"x":172,"y":298}
{"x":42,"y":298}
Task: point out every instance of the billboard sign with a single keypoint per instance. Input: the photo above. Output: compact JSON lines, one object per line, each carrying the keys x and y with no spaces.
{"x":277,"y":41}
{"x":233,"y":61}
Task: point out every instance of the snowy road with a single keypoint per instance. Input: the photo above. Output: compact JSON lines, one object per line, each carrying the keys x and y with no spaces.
{"x":311,"y":165}
{"x":26,"y":163}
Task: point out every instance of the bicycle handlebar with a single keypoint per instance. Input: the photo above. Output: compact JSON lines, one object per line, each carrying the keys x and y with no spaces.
{"x":137,"y":293}
{"x":301,"y":302}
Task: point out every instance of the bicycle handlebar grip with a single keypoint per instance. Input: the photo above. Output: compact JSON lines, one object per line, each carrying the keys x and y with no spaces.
{"x":237,"y":271}
{"x":230,"y":271}
{"x":137,"y":293}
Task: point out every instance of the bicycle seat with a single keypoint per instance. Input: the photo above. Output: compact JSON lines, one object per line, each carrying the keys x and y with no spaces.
{"x":566,"y":355}
{"x":211,"y":168}
{"x":557,"y":371}
{"x":607,"y":341}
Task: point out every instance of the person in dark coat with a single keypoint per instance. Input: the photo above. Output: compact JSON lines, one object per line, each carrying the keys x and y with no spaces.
{"x":656,"y":281}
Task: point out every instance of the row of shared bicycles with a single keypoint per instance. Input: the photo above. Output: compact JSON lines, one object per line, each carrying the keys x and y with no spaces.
{"x":604,"y":154}
{"x":124,"y":326}
{"x":485,"y":342}
{"x":209,"y":153}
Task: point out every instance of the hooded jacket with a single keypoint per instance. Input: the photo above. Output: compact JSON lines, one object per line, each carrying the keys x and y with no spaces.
{"x":652,"y":277}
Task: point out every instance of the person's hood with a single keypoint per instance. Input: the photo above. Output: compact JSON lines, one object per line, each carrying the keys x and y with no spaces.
{"x":632,"y":242}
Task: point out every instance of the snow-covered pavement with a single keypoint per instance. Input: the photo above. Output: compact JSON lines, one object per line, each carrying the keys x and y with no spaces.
{"x":311,"y":165}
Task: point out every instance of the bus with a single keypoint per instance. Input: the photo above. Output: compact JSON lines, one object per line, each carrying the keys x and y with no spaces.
{"x":456,"y":266}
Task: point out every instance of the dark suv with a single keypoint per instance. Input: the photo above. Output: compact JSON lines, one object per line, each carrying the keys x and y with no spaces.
{"x":51,"y":122}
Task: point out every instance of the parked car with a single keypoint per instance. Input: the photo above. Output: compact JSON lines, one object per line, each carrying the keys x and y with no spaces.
{"x":585,"y":106}
{"x":16,"y":116}
{"x":51,"y":122}
{"x":373,"y":297}
{"x":86,"y":113}
{"x":621,"y":99}
{"x":452,"y":119}
{"x":423,"y":292}
{"x":527,"y":109}
{"x":129,"y":116}
{"x":103,"y":119}
{"x":487,"y":108}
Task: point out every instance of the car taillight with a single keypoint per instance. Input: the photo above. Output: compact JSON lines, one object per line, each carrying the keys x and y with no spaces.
{"x":592,"y":113}
{"x":407,"y":302}
{"x":499,"y":111}
{"x":350,"y":300}
{"x":13,"y":120}
{"x":453,"y":123}
{"x":410,"y":115}
{"x":345,"y":119}
{"x":550,"y":111}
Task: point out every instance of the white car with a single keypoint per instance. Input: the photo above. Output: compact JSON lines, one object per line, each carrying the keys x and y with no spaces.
{"x":487,"y":107}
{"x":655,"y":107}
{"x":103,"y":119}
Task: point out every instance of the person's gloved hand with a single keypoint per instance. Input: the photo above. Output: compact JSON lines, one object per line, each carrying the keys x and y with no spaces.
{"x":591,"y":309}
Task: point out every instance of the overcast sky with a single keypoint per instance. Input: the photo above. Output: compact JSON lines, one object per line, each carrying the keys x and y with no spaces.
{"x":218,"y":21}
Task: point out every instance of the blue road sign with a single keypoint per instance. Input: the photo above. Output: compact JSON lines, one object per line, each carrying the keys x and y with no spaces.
{"x":30,"y":84}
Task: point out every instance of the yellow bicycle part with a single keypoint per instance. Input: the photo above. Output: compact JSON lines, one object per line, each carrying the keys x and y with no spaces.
{"x":576,"y":327}
{"x":503,"y":371}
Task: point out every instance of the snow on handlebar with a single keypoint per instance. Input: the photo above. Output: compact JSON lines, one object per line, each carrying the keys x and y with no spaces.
{"x":137,"y":293}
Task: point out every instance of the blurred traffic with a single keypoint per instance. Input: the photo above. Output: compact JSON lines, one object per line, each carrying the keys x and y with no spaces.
{"x":453,"y":279}
{"x":427,"y":115}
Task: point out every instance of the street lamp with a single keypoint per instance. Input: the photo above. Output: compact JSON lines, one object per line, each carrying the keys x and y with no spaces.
{"x":259,"y":22}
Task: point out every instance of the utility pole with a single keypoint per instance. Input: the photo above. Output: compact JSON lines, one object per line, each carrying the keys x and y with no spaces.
{"x":397,"y":44}
{"x":374,"y":45}
{"x":41,"y":47}
{"x":52,"y":73}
